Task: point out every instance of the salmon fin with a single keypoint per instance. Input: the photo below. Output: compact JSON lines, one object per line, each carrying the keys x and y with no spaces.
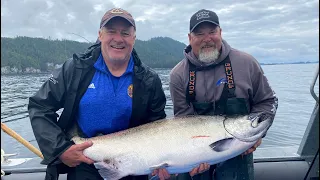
{"x":109,"y":171}
{"x":160,"y":166}
{"x":221,"y":145}
{"x":117,"y":167}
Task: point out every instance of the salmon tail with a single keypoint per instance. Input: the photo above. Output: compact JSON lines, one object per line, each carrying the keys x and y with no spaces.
{"x":109,"y":171}
{"x":160,"y":166}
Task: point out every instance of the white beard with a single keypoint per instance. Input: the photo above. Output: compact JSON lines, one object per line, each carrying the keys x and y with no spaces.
{"x":208,"y":57}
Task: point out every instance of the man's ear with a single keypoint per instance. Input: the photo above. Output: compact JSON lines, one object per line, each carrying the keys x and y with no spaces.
{"x":100,"y":34}
{"x":134,"y":38}
{"x":189,"y":36}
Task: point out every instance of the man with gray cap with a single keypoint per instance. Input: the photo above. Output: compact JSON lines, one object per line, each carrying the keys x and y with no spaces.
{"x":104,"y":90}
{"x":215,"y":79}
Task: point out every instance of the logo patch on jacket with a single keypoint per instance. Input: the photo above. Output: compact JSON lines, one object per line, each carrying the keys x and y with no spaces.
{"x":91,"y":86}
{"x":130,"y":90}
{"x":221,"y":81}
{"x":52,"y":79}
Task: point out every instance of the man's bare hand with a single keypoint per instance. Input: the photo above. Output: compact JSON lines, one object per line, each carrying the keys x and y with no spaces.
{"x":200,"y":169}
{"x":161,"y":173}
{"x":74,"y":155}
{"x":253,"y":148}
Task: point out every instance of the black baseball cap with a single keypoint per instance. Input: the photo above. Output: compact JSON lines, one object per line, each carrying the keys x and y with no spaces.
{"x":203,"y":15}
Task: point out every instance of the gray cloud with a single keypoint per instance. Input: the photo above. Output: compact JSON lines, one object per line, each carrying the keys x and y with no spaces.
{"x":270,"y":30}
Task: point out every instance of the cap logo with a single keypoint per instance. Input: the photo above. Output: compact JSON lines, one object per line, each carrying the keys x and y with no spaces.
{"x":116,"y":11}
{"x":202,"y":14}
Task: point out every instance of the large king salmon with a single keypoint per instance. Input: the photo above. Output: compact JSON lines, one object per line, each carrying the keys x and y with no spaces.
{"x":178,"y":144}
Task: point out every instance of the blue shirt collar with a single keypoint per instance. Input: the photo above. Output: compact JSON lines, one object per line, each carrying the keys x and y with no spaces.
{"x":101,"y":65}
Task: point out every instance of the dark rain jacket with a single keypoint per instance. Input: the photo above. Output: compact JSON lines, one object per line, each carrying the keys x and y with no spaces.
{"x":64,"y":89}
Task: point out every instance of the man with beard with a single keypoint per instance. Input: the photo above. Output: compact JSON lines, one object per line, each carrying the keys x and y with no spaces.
{"x":215,"y":79}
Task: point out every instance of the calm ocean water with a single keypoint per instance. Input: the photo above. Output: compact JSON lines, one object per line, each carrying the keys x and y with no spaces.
{"x":291,"y":83}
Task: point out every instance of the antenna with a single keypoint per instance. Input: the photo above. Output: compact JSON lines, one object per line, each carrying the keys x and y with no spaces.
{"x":79,"y":36}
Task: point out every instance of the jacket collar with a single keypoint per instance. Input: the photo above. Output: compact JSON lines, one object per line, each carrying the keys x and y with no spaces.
{"x":91,"y":55}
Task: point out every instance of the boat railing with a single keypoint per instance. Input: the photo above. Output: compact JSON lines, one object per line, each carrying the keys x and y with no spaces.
{"x":315,"y":77}
{"x":309,"y":146}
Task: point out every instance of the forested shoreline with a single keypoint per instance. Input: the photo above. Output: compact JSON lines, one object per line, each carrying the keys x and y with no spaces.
{"x":38,"y":55}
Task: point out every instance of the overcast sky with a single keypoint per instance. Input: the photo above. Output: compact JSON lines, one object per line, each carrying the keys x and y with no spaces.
{"x":270,"y":30}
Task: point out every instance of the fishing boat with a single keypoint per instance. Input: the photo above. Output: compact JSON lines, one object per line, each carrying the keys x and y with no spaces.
{"x":294,"y":163}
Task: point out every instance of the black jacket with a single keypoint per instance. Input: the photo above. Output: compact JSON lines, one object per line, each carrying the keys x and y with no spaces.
{"x":65,"y":88}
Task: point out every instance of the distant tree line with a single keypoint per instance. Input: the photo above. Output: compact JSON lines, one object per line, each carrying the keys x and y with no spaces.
{"x":23,"y":52}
